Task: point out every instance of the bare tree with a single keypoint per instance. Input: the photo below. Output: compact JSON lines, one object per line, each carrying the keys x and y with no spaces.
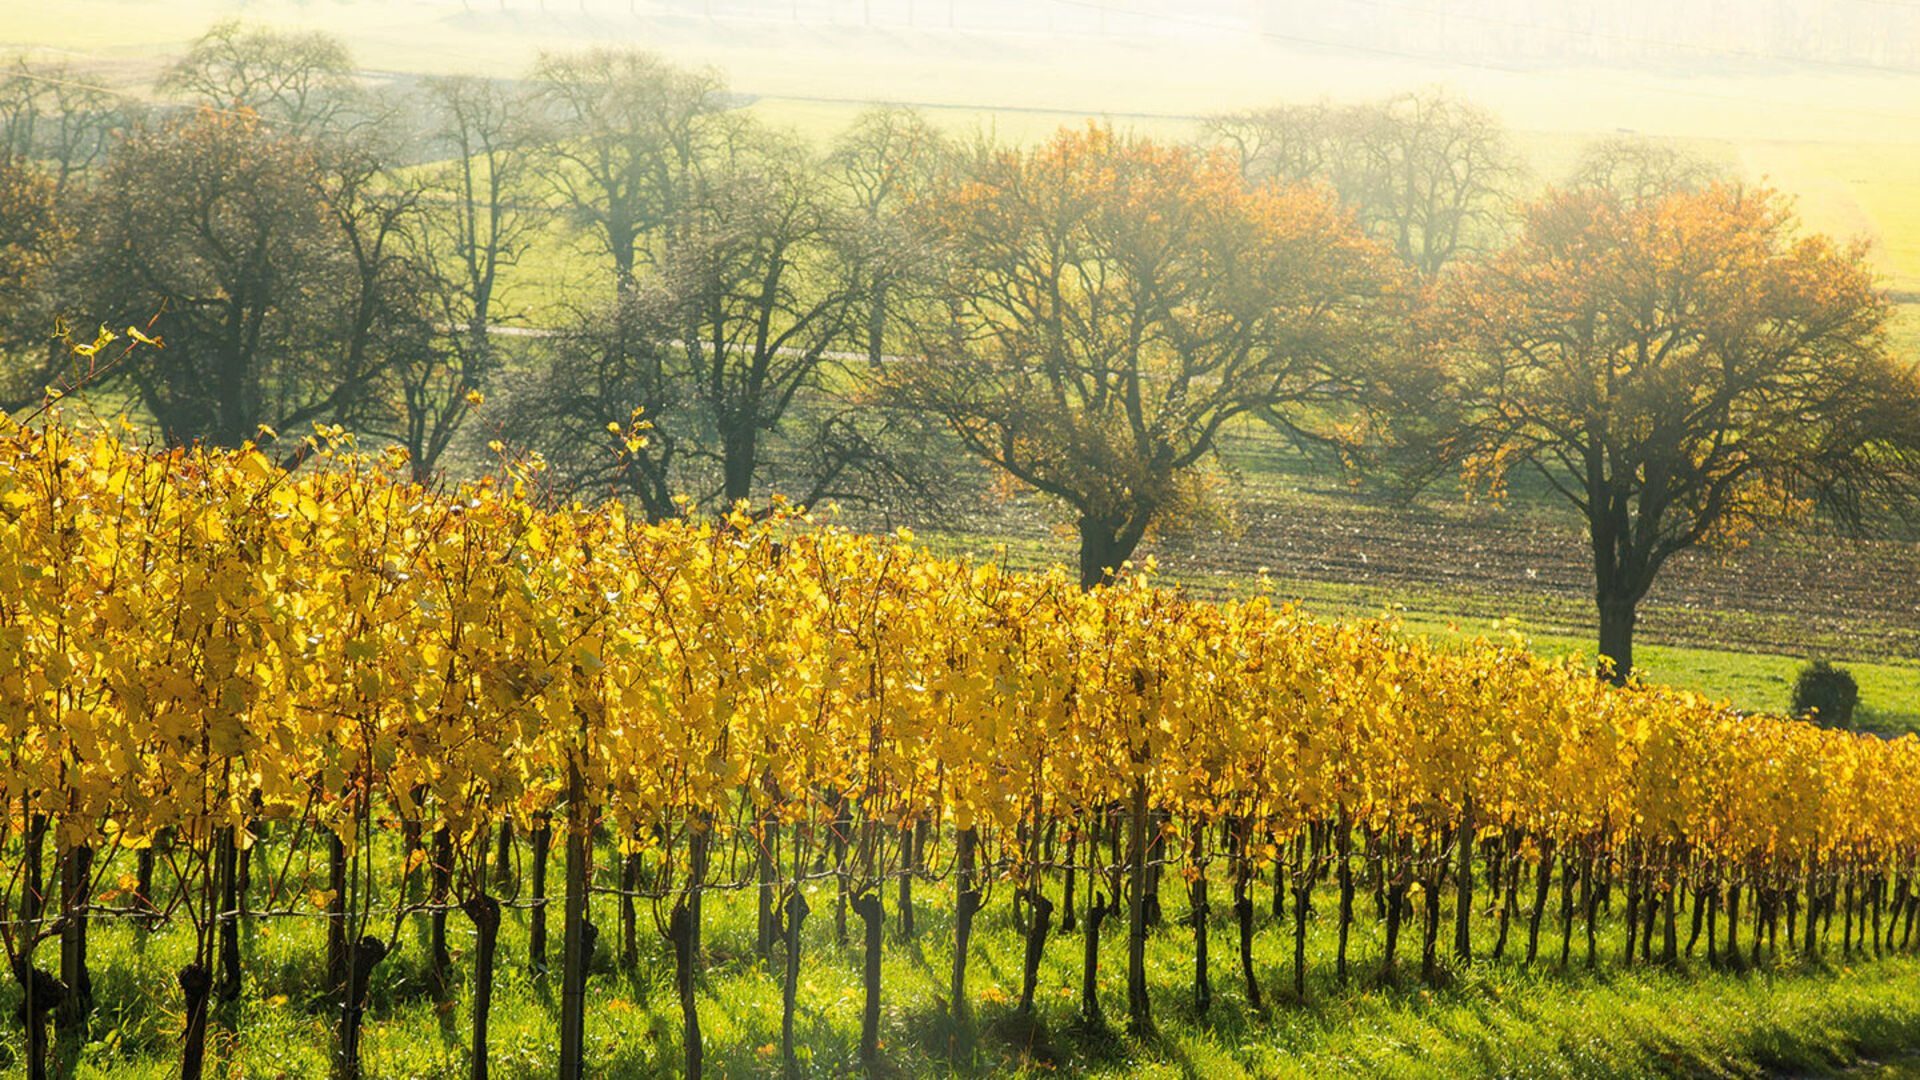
{"x":51,"y":115}
{"x":482,"y":206}
{"x":889,"y":154}
{"x":1426,"y":173}
{"x":296,"y":81}
{"x":617,"y":367}
{"x":478,"y":212}
{"x":1637,"y":169}
{"x":392,"y":373}
{"x":1294,"y":144}
{"x":729,"y":349}
{"x":33,"y":242}
{"x":626,"y":129}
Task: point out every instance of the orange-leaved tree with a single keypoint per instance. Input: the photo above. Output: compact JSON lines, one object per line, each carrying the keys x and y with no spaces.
{"x":1681,"y":369}
{"x":1111,"y":303}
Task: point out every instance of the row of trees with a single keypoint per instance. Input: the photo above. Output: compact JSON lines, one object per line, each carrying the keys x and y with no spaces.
{"x":1667,"y":351}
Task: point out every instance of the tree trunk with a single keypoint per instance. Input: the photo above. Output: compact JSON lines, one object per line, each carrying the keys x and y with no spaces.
{"x":877,"y":325}
{"x":439,"y":890}
{"x":766,"y":917}
{"x":1069,"y":922}
{"x":228,"y":917}
{"x":681,"y":933}
{"x":1463,"y":892}
{"x":794,"y":913}
{"x":842,"y":826}
{"x":1430,"y":918}
{"x":1198,"y":910}
{"x":1567,"y":873}
{"x":542,"y":843}
{"x":867,"y":906}
{"x":1542,"y":884}
{"x":1809,"y":937}
{"x":1396,"y":916}
{"x":576,"y":947}
{"x":76,"y":878}
{"x":1037,"y":927}
{"x":1343,"y":850}
{"x":629,"y":913}
{"x":484,"y":910}
{"x":336,"y":913}
{"x":967,"y":903}
{"x":1713,"y":927}
{"x":739,"y":454}
{"x":1105,"y":543}
{"x":503,"y":858}
{"x":41,"y":994}
{"x":196,"y":986}
{"x":1617,"y":618}
{"x":33,"y":894}
{"x":143,"y":878}
{"x":1699,"y":917}
{"x":361,"y":959}
{"x":1305,"y":855}
{"x":906,"y":882}
{"x":1090,"y":967}
{"x":1669,"y":950}
{"x":1243,"y":915}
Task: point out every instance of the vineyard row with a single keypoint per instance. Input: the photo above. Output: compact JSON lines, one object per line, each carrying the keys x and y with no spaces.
{"x":199,"y":650}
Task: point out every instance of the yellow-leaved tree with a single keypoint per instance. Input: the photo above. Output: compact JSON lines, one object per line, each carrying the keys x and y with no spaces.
{"x":1680,"y":369}
{"x":1111,"y":303}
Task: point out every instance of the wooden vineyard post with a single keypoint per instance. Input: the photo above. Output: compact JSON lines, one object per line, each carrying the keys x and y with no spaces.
{"x":1037,"y":927}
{"x":484,"y":910}
{"x":578,"y":947}
{"x":541,"y":841}
{"x":967,"y":904}
{"x":873,"y":920}
{"x":906,"y":882}
{"x":680,"y":931}
{"x":1343,"y":851}
{"x":793,"y":913}
{"x":1243,"y":910}
{"x":1090,"y":969}
{"x":1463,"y":894}
{"x":1542,"y":886}
{"x":1198,"y":909}
{"x":1139,"y":1009}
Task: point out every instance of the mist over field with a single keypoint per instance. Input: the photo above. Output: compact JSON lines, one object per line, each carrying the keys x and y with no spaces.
{"x":1821,"y":100}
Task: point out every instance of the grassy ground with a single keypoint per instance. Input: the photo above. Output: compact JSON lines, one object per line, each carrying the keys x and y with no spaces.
{"x":1488,"y":1019}
{"x":1731,"y":625}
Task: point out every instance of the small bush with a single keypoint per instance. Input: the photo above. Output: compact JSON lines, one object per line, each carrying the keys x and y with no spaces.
{"x":1825,"y":694}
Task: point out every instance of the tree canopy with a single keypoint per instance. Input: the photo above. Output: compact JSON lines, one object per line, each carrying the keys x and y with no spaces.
{"x":1680,"y":369}
{"x":1112,"y":303}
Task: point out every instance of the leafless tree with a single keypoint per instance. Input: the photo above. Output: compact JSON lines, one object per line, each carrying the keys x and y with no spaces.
{"x":626,"y":129}
{"x":1428,"y":173}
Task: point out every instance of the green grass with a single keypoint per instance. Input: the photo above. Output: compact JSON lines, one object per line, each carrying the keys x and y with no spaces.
{"x":1487,"y":1019}
{"x":1757,"y":682}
